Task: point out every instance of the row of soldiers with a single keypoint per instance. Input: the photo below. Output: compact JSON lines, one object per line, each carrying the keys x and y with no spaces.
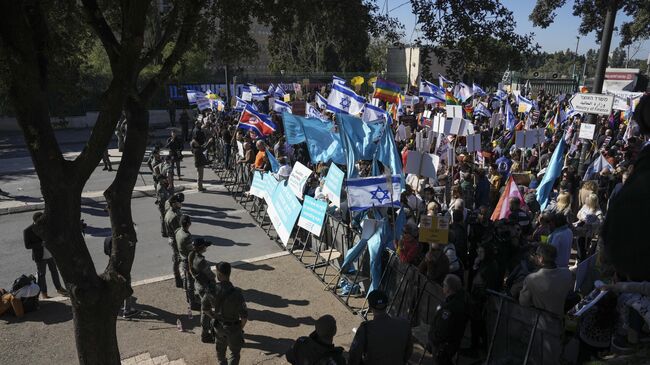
{"x":222,"y":306}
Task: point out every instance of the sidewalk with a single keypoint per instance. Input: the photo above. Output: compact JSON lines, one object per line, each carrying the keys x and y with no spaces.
{"x":283,"y":300}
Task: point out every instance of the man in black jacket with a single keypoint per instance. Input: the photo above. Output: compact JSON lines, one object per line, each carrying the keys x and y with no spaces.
{"x":449,"y":322}
{"x":42,"y":257}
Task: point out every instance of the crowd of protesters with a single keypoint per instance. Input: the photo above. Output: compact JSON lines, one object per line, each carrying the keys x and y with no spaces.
{"x":530,"y":254}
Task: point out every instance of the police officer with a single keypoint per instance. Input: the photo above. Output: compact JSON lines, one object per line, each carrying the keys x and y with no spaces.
{"x":163,"y":193}
{"x":318,"y":347}
{"x":449,"y":321}
{"x":175,"y":145}
{"x":184,"y":243}
{"x":383,"y":340}
{"x":173,"y":215}
{"x":207,"y":285}
{"x":231,"y":317}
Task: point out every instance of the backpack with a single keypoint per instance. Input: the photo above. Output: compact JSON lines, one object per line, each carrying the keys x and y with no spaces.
{"x":22,"y":281}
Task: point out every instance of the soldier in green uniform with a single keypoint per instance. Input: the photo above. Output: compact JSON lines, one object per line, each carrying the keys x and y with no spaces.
{"x":449,"y":321}
{"x":184,"y":242}
{"x":163,"y":193}
{"x":173,"y":222}
{"x":231,"y":316}
{"x":207,"y":285}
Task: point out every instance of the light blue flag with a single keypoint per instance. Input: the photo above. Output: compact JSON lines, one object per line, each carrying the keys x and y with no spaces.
{"x":376,"y":244}
{"x":275,"y":165}
{"x":510,"y":117}
{"x":293,"y":130}
{"x":389,"y":156}
{"x":363,"y":136}
{"x":322,"y":142}
{"x":370,"y":229}
{"x":552,"y":173}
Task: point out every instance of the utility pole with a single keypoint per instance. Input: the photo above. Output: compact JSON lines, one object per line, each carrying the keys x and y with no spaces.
{"x":575,"y":61}
{"x":599,"y":77}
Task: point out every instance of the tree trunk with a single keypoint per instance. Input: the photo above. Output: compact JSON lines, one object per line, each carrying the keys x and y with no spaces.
{"x":95,"y":334}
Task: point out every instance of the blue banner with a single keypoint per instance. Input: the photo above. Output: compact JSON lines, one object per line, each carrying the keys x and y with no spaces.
{"x":312,"y":215}
{"x":283,"y":211}
{"x":269,"y":183}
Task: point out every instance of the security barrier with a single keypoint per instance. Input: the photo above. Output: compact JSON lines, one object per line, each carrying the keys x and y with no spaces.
{"x":518,"y":334}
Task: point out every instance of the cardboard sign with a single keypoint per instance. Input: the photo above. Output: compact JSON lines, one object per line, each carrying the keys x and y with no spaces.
{"x":434,"y":229}
{"x":587,"y":131}
{"x":422,"y":164}
{"x":529,"y":138}
{"x":473,"y":142}
{"x":312,"y":215}
{"x":454,"y":111}
{"x":257,"y":186}
{"x":298,"y":178}
{"x":495,"y":120}
{"x":247,"y":96}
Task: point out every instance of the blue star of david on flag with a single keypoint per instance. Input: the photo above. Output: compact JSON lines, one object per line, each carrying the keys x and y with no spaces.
{"x":345,"y":102}
{"x":377,"y":191}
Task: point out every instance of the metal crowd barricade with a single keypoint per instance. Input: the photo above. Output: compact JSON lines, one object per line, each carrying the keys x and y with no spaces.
{"x":522,"y":335}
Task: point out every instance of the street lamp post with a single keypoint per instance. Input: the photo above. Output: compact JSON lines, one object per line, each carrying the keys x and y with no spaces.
{"x":575,"y":61}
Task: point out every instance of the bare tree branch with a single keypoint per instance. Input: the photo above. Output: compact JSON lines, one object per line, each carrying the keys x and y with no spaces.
{"x":167,"y":36}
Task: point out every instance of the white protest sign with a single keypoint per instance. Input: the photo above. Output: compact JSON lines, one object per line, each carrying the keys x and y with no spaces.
{"x":494,"y":120}
{"x":422,"y":164}
{"x":438,"y":124}
{"x":246,"y":96}
{"x":587,"y":131}
{"x":454,"y":111}
{"x":427,"y":114}
{"x":298,"y":179}
{"x":473,"y":142}
{"x":529,"y":138}
{"x":592,"y":103}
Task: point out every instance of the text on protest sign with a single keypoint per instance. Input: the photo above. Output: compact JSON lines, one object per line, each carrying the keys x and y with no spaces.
{"x":333,"y":183}
{"x":283,"y":210}
{"x":298,"y":178}
{"x":434,"y":229}
{"x":592,"y":103}
{"x":312,"y":215}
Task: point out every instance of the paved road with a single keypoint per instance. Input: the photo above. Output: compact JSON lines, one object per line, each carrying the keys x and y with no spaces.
{"x":215,"y":216}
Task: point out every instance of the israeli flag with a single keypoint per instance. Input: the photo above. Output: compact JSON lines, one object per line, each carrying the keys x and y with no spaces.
{"x":271,"y":89}
{"x":510,"y":117}
{"x":281,"y":107}
{"x":372,"y":113}
{"x":241,"y":105}
{"x":256,"y":92}
{"x":337,"y":80}
{"x":480,"y":109}
{"x":193,"y":95}
{"x":343,"y":100}
{"x":431,"y":93}
{"x":321,"y":100}
{"x":444,"y":82}
{"x":462,"y":92}
{"x":477,"y":90}
{"x":313,"y":112}
{"x":279,"y":92}
{"x":377,"y":191}
{"x":501,"y":95}
{"x":526,"y":102}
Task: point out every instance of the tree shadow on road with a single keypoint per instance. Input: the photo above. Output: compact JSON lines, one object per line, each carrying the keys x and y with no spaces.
{"x":254,"y":267}
{"x":155,"y":315}
{"x":49,"y":313}
{"x":220,"y":241}
{"x":269,"y":345}
{"x":271,"y":300}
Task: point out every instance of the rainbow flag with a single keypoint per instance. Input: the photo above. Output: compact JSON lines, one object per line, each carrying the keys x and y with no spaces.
{"x":387,"y":91}
{"x":450,"y":99}
{"x":469,"y":111}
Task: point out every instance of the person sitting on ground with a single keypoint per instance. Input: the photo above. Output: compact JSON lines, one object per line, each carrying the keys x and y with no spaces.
{"x":318,"y":347}
{"x":547,"y":289}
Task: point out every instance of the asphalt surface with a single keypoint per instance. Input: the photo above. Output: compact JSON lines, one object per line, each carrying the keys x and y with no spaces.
{"x":215,"y":216}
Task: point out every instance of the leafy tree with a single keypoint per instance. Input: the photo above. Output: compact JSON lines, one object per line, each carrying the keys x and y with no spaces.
{"x":472,"y":38}
{"x":36,"y":39}
{"x":617,"y":58}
